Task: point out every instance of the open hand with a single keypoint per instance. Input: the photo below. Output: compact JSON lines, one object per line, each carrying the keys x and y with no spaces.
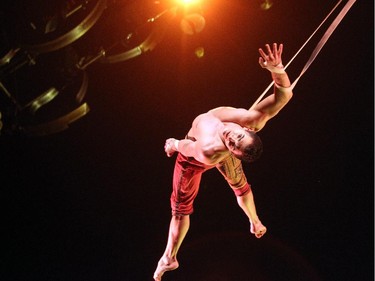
{"x":271,"y":59}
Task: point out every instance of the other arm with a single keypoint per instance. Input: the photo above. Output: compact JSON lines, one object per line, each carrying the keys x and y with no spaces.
{"x":203,"y":153}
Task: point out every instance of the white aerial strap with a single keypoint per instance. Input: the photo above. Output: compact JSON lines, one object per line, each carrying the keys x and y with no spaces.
{"x":319,"y":46}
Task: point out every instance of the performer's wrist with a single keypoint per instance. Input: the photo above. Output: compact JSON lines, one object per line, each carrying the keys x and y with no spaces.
{"x":278,"y":69}
{"x":176,"y":144}
{"x":282,"y":88}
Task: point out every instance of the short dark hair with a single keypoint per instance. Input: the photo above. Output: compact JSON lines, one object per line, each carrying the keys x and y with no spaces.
{"x":252,"y":152}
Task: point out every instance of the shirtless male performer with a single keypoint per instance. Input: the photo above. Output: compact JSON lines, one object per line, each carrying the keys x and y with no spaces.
{"x":221,"y":138}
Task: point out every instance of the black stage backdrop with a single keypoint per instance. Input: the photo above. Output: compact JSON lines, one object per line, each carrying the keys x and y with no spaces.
{"x":92,"y":202}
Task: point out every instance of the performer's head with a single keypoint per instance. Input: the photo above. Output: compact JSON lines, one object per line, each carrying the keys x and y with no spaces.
{"x":243,"y":143}
{"x":253,"y":151}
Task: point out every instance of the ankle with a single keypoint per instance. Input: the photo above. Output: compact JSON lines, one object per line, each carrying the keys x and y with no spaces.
{"x":167,"y":260}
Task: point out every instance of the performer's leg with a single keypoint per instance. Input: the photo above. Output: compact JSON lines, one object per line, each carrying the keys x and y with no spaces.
{"x":247,"y":204}
{"x":231,"y":169}
{"x":186,"y":179}
{"x":178,"y":228}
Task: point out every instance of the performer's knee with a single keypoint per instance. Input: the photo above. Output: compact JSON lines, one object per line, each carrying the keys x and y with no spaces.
{"x":241,"y":191}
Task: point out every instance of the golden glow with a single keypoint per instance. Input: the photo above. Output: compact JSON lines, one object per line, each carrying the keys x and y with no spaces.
{"x":187,"y":2}
{"x":266,"y":5}
{"x":199,"y":52}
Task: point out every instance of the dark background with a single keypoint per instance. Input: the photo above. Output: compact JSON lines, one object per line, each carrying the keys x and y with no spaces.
{"x":92,"y":202}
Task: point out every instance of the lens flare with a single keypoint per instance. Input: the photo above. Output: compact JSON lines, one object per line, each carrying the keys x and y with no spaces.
{"x":199,"y":52}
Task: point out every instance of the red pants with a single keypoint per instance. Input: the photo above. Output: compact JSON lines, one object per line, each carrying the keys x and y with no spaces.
{"x":187,"y":176}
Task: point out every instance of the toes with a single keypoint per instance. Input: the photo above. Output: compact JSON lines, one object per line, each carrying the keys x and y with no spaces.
{"x":260,"y":233}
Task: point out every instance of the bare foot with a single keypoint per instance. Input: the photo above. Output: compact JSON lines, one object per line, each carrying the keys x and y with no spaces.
{"x":258,"y":229}
{"x":164,"y":264}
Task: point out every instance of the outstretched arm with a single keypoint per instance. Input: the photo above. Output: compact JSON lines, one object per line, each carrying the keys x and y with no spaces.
{"x":271,"y":60}
{"x":258,"y":115}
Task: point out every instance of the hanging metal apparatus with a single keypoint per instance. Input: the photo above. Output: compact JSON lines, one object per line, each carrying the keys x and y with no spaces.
{"x":157,"y":25}
{"x":95,"y":11}
{"x":23,"y":112}
{"x":51,"y":44}
{"x":60,"y":122}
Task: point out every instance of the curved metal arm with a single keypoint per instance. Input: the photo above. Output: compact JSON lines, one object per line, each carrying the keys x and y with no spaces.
{"x":160,"y":22}
{"x":73,"y":34}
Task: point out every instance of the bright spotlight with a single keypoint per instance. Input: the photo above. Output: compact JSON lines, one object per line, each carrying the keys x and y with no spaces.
{"x":192,"y":20}
{"x":188,"y":2}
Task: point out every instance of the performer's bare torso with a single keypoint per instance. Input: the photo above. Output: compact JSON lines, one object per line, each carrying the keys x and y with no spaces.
{"x":208,"y":130}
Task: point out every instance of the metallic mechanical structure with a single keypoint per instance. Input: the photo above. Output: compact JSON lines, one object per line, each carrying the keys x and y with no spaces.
{"x":44,"y":54}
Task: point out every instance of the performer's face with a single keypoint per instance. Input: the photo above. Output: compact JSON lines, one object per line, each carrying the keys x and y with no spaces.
{"x":237,"y":139}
